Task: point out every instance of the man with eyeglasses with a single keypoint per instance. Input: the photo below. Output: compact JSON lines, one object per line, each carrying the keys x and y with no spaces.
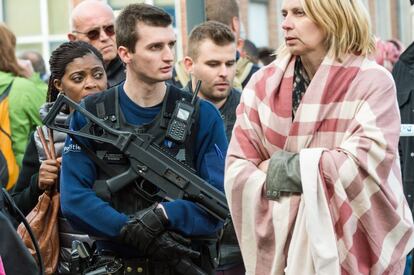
{"x":93,"y":21}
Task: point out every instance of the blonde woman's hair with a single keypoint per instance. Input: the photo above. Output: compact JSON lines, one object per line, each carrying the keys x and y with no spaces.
{"x":346,"y":24}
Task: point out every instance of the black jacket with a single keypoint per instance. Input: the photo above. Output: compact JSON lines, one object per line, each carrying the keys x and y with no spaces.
{"x":115,"y":71}
{"x":15,"y":256}
{"x":26,"y":191}
{"x":403,"y":74}
{"x":228,"y":111}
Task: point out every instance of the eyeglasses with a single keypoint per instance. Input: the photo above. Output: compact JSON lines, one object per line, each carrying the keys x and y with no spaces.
{"x":95,"y":33}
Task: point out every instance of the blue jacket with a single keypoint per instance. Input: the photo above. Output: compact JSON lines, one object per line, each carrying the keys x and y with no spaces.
{"x":92,"y":215}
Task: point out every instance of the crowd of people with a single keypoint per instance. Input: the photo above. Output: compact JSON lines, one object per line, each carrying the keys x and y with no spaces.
{"x":303,"y":141}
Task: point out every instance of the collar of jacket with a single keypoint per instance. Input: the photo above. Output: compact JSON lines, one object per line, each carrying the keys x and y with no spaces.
{"x":113,"y":66}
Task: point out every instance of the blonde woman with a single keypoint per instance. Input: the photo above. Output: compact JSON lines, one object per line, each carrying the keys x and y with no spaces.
{"x":312,"y":173}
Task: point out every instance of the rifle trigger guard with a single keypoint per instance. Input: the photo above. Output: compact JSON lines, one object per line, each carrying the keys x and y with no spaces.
{"x":142,"y":169}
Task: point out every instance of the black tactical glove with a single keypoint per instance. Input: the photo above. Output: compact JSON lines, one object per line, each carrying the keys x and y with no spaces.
{"x":185,"y":266}
{"x":174,"y":249}
{"x":143,"y":228}
{"x":146,"y":231}
{"x":170,"y":246}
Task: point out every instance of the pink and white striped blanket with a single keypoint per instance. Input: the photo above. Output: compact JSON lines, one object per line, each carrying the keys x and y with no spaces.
{"x":2,"y":272}
{"x":352,"y":217}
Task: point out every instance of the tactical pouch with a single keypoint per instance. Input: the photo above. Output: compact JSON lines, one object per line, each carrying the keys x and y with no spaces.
{"x":229,"y":250}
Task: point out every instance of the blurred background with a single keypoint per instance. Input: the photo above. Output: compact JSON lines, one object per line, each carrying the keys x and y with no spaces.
{"x":42,"y":25}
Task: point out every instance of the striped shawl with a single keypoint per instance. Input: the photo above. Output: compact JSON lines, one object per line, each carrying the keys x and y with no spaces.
{"x":352,"y":217}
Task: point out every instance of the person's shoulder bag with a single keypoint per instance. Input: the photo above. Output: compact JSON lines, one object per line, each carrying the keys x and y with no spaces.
{"x":43,"y":218}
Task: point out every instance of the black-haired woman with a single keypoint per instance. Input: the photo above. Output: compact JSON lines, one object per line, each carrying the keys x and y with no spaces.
{"x":77,"y":70}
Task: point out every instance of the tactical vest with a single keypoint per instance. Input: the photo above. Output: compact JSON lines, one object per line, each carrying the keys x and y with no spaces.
{"x":106,"y":106}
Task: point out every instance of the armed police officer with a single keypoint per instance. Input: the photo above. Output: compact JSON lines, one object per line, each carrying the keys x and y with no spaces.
{"x":147,"y":236}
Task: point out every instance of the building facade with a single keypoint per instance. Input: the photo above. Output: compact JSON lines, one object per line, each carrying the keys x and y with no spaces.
{"x":391,"y":19}
{"x":48,"y":23}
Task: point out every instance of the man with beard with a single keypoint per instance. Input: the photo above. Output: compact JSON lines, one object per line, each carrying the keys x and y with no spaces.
{"x":211,"y":58}
{"x":226,"y":12}
{"x":93,"y":21}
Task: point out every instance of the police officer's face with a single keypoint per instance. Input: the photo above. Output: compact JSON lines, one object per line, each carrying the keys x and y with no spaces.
{"x":215,"y":66}
{"x":83,"y":76}
{"x":154,"y":53}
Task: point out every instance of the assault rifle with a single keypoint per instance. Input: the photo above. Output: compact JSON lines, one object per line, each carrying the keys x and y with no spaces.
{"x":173,"y":179}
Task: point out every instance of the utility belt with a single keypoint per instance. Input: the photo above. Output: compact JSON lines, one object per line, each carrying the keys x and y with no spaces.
{"x":139,"y":266}
{"x":102,"y":262}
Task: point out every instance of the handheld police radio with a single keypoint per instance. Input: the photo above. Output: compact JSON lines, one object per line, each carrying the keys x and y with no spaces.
{"x":180,"y":123}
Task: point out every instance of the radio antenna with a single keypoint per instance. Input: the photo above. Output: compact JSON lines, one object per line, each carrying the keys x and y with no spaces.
{"x":197,"y":89}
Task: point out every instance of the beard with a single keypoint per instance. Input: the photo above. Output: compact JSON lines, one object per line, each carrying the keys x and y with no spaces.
{"x":214,"y":95}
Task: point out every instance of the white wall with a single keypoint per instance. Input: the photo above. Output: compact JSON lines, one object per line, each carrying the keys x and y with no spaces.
{"x":412,"y":23}
{"x":258,"y":24}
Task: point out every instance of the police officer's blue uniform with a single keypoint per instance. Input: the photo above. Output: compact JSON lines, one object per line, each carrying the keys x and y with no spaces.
{"x":92,"y":215}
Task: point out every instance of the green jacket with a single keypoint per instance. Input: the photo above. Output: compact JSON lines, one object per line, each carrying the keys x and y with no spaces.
{"x":25,"y":98}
